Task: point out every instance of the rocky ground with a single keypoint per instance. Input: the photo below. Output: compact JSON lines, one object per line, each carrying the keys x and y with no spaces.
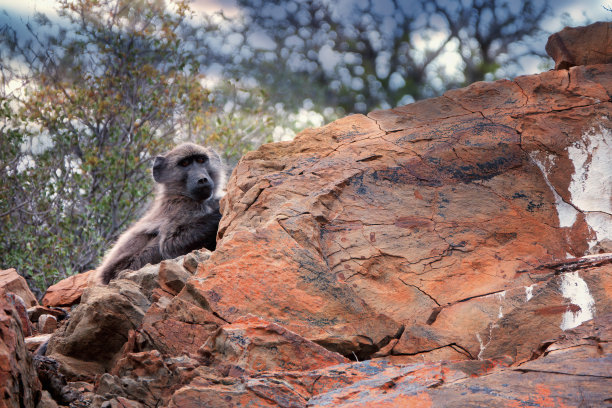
{"x":452,"y":252}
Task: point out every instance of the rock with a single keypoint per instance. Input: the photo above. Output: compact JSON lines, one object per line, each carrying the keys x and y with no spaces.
{"x":19,"y":385}
{"x":254,"y":344}
{"x":414,"y":215}
{"x":172,"y":276}
{"x":587,"y":45}
{"x":194,"y":258}
{"x":68,"y":291}
{"x":54,"y":381}
{"x":47,"y":324}
{"x":146,"y":279}
{"x":577,"y":360}
{"x":175,"y":327}
{"x":572,"y":294}
{"x":121,"y":402}
{"x":34,"y":342}
{"x":36,"y":311}
{"x":98,"y":328}
{"x":235,"y":394}
{"x":11,"y":281}
{"x":22,"y":312}
{"x":46,"y":401}
{"x":146,"y":377}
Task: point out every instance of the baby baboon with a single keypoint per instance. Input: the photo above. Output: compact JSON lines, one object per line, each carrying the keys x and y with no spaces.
{"x":184,"y":216}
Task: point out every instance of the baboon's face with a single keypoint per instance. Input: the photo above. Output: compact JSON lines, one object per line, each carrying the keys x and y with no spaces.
{"x":189,"y":170}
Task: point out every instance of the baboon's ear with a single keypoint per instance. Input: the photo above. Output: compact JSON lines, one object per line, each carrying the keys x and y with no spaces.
{"x":159,"y":169}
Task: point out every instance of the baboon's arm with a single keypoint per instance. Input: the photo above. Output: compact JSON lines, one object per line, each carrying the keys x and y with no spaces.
{"x":133,"y":250}
{"x":186,"y":237}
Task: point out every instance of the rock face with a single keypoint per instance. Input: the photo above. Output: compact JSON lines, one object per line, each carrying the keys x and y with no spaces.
{"x":439,"y":241}
{"x":429,"y":215}
{"x":11,"y":281}
{"x":19,"y":385}
{"x":588,"y":45}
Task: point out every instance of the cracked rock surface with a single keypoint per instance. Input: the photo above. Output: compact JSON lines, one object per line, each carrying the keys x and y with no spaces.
{"x":424,"y":216}
{"x":451,"y":252}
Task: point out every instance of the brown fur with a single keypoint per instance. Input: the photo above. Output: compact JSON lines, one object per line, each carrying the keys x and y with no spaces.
{"x":184,"y":216}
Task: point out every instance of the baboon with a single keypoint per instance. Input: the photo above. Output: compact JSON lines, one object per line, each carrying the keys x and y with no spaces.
{"x":184,"y":216}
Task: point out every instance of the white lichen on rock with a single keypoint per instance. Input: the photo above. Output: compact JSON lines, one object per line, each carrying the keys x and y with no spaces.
{"x":529,"y":292}
{"x":501,"y":296}
{"x":575,"y":289}
{"x":566,"y":212}
{"x":591,"y":184}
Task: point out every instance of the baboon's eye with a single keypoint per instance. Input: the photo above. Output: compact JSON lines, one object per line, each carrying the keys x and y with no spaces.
{"x":201,"y":159}
{"x":185,"y":162}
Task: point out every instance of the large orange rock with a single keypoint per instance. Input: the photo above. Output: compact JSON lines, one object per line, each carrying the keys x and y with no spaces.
{"x":68,"y":291}
{"x":373,"y":224}
{"x":11,"y":281}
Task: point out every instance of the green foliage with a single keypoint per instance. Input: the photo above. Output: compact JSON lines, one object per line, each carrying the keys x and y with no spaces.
{"x":95,"y":107}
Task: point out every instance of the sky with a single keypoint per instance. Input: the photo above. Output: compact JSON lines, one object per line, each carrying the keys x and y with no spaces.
{"x":594,"y":9}
{"x":20,"y":11}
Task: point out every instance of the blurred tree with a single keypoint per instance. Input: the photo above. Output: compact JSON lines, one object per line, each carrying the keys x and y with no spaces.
{"x":485,"y":30}
{"x":367,"y":54}
{"x":104,"y":91}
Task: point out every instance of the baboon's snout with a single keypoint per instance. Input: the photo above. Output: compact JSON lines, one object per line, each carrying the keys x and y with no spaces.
{"x":203,"y":181}
{"x":200,"y":186}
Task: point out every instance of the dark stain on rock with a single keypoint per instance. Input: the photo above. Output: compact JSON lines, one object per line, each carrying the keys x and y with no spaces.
{"x":212,"y":296}
{"x":532,"y":206}
{"x":467,"y":173}
{"x":558,"y":309}
{"x":412,"y":222}
{"x":504,"y":237}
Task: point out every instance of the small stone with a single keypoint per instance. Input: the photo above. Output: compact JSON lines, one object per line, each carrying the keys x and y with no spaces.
{"x":194,"y":258}
{"x":33,"y":342}
{"x":35,"y":312}
{"x":172,"y":276}
{"x":47,"y":324}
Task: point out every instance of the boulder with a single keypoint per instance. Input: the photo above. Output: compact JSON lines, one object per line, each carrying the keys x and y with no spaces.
{"x":19,"y":385}
{"x":253,"y":344}
{"x":68,"y":291}
{"x":98,"y":328}
{"x":11,"y":281}
{"x":588,"y":45}
{"x":354,"y":232}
